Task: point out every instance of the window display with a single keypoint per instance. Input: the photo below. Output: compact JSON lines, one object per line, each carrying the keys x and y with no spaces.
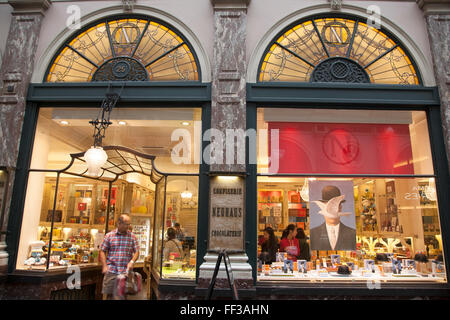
{"x":179,"y":248}
{"x":358,"y":227}
{"x":141,"y":229}
{"x":67,"y":212}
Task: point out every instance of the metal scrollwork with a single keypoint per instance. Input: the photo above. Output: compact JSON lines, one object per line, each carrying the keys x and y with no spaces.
{"x":339,"y":70}
{"x":121,"y":69}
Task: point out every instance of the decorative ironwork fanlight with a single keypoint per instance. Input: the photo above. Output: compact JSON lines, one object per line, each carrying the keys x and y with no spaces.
{"x":125,"y":49}
{"x":337,"y":49}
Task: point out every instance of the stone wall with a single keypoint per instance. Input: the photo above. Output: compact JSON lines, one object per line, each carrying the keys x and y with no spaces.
{"x":437,"y":16}
{"x":16,"y":72}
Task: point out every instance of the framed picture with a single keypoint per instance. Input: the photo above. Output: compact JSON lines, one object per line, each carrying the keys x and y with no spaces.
{"x":332,"y":202}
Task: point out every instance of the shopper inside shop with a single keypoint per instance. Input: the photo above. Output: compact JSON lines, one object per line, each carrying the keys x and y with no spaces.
{"x":305,"y":253}
{"x":173,"y":246}
{"x":179,"y":234}
{"x":290,"y":243}
{"x":269,"y":247}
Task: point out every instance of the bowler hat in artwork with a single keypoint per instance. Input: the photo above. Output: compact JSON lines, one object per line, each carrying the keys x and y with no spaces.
{"x":329,"y":192}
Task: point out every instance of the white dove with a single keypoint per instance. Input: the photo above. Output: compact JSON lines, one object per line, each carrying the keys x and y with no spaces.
{"x":331,"y":208}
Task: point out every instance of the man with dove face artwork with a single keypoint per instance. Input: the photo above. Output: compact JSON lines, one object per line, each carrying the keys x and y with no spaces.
{"x":332,"y":234}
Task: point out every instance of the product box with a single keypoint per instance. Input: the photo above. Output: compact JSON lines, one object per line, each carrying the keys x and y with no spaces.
{"x":288,"y":265}
{"x":335,"y":259}
{"x":437,"y":267}
{"x":396,"y":266}
{"x":369,"y":264}
{"x":302,"y":266}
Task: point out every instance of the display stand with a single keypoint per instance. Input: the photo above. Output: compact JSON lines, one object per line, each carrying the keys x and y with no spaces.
{"x":226,"y":259}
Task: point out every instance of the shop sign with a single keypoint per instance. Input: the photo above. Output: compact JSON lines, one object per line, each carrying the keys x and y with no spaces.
{"x":226,"y":213}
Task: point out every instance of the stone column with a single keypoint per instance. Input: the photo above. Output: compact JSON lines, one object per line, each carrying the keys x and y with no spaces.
{"x":437,"y":16}
{"x":16,"y":71}
{"x":228,"y":118}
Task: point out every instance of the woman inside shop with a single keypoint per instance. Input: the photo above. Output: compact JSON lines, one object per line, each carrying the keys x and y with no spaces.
{"x":304,"y":254}
{"x":269,"y":247}
{"x":290,"y":243}
{"x":172,"y":246}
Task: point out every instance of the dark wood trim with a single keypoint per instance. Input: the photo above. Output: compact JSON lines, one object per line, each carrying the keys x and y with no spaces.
{"x":133,"y":91}
{"x":341,"y":95}
{"x":442,"y":179}
{"x":203,"y":195}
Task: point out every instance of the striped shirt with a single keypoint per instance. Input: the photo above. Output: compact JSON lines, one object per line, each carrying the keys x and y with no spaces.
{"x":120,"y":249}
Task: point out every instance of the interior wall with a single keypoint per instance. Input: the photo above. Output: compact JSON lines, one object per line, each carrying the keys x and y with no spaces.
{"x":35,"y":192}
{"x":420,"y":143}
{"x":409,"y":212}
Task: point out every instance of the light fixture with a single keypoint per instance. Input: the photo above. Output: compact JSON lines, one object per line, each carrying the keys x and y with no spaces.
{"x":185,"y":123}
{"x":227,"y":178}
{"x":122,"y":123}
{"x":64,"y":122}
{"x":96,"y":157}
{"x":186,"y":194}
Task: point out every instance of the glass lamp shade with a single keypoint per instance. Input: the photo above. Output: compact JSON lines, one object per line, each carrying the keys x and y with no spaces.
{"x":95,"y":158}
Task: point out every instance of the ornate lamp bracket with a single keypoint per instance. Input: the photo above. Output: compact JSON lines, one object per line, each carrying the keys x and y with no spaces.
{"x":103,"y":119}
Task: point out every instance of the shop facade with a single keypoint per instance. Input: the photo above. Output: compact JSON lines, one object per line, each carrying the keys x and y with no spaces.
{"x":227,"y":125}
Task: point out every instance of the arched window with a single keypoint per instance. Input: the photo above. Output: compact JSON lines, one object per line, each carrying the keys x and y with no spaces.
{"x":125,"y":49}
{"x":337,"y":49}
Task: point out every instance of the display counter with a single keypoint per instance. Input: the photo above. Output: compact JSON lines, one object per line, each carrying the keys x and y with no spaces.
{"x":356,"y":276}
{"x":56,"y":283}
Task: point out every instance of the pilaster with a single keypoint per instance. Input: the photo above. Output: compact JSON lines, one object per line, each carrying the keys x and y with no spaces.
{"x":16,"y":71}
{"x":228,"y":114}
{"x":437,"y":16}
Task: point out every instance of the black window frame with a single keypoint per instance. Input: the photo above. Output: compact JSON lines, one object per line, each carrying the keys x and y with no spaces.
{"x":179,"y":94}
{"x":352,"y":97}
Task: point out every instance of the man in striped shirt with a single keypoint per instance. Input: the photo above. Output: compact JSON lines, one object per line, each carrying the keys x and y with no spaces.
{"x":118,"y":253}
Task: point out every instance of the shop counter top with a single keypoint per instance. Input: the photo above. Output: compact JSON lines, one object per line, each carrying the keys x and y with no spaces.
{"x":314,"y":277}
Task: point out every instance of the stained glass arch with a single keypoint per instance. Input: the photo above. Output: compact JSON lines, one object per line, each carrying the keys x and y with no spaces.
{"x":337,"y":48}
{"x":128,"y":48}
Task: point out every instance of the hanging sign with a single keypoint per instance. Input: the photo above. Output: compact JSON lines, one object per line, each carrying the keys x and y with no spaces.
{"x":226,"y":213}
